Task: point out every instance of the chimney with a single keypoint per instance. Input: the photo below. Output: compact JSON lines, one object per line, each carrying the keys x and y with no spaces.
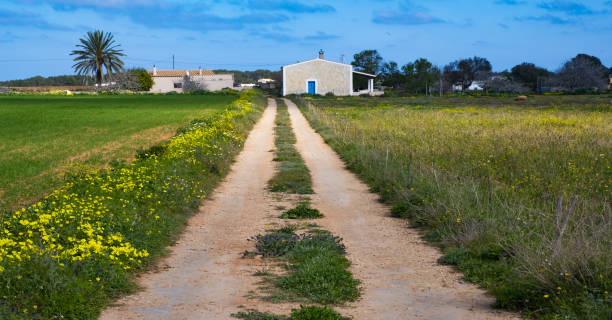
{"x":200,"y":71}
{"x":187,"y":73}
{"x":321,"y":54}
{"x":154,"y":70}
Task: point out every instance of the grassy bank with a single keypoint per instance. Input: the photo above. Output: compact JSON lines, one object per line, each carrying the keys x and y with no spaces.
{"x":40,"y":134}
{"x":292,"y":175}
{"x":483,"y":177}
{"x":70,"y":254}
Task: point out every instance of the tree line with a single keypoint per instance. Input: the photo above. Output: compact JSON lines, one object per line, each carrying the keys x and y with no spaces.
{"x":583,"y":72}
{"x":38,"y":81}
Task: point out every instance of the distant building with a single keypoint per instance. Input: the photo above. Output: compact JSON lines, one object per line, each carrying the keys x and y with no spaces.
{"x":173,"y":80}
{"x":610,"y":84}
{"x":476,"y":86}
{"x":260,"y":81}
{"x":266,"y":83}
{"x":320,"y":76}
{"x":457,"y":87}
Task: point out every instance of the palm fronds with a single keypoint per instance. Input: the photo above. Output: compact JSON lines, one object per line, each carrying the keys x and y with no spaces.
{"x":98,"y":53}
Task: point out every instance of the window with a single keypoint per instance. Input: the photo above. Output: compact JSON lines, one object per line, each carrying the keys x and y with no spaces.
{"x":178,"y":85}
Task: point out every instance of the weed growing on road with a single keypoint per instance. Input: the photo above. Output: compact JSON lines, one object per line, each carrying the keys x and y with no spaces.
{"x":302,"y":211}
{"x":303,"y":313}
{"x":317,"y":269}
{"x":69,"y":254}
{"x":292,"y":175}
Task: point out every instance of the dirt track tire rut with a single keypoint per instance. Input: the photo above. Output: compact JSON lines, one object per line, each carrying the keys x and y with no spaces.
{"x":400,"y":276}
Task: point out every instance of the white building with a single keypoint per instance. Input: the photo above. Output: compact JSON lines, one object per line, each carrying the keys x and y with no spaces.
{"x":173,"y":80}
{"x":320,"y":76}
{"x":476,"y":86}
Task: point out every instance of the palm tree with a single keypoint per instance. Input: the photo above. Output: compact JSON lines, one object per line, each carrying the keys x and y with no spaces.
{"x":96,"y":53}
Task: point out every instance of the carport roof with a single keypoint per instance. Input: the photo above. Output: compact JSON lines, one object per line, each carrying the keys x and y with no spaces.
{"x":367,"y":75}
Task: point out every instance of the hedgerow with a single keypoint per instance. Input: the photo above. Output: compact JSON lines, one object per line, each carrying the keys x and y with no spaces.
{"x":71,"y":253}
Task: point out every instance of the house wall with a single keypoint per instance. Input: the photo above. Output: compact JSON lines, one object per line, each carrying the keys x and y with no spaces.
{"x":216,"y":82}
{"x":209,"y":83}
{"x":165,"y":84}
{"x":329,"y":77}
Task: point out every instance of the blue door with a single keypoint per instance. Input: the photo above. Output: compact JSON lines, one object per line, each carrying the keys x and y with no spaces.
{"x":311,"y":87}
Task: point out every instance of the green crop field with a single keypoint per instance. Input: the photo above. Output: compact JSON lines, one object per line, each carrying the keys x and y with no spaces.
{"x":40,"y":135}
{"x":517,"y":194}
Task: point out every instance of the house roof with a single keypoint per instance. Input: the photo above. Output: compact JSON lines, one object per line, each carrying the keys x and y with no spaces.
{"x":180,"y":73}
{"x":317,"y":59}
{"x":328,"y":61}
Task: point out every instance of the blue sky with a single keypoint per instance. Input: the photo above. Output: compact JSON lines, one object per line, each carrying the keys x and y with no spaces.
{"x":36,"y":36}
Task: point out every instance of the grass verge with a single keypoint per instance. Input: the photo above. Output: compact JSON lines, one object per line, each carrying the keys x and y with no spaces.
{"x":70,"y":254}
{"x":292,"y":175}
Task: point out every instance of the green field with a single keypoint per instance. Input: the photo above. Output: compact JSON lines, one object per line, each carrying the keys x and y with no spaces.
{"x":42,"y":134}
{"x":482,"y":176}
{"x":76,"y":250}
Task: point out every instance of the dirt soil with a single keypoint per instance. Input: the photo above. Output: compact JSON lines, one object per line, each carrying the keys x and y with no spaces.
{"x":205,"y":277}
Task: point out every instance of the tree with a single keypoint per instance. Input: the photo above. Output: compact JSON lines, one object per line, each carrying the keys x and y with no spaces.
{"x":583,"y":71}
{"x":133,"y":80}
{"x":420,"y":75}
{"x":391,"y":75}
{"x":367,"y":61}
{"x":503,"y":84}
{"x":528,"y":74}
{"x":467,"y":70}
{"x":145,"y":80}
{"x":96,"y":53}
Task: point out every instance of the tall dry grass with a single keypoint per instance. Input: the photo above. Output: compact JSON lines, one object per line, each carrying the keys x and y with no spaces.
{"x":484,"y":181}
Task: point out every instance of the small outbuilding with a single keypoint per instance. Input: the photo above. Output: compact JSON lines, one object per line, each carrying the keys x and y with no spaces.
{"x":320,"y":76}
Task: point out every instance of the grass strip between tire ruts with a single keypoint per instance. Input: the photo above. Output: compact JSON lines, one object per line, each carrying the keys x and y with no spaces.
{"x":292,"y":175}
{"x":316,"y":265}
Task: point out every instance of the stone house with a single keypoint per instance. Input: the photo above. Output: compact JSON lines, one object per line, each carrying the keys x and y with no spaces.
{"x":174,"y":80}
{"x":320,"y":76}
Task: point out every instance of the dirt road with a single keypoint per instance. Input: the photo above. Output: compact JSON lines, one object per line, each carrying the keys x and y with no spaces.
{"x":205,"y":277}
{"x":401,"y":279}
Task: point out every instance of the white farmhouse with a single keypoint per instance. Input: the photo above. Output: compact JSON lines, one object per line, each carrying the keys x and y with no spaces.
{"x":320,"y":76}
{"x":173,"y":80}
